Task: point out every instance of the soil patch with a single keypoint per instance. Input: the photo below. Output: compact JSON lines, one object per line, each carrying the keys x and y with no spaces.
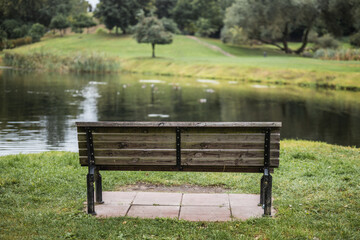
{"x":146,"y":187}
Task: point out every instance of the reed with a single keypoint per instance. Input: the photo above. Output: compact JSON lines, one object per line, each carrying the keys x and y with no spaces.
{"x":79,"y":62}
{"x":339,"y":55}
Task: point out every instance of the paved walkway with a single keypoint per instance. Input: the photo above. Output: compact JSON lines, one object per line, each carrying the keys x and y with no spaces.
{"x":186,"y":206}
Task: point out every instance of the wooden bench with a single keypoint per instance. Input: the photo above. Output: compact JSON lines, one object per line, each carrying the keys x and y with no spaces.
{"x":179,"y":146}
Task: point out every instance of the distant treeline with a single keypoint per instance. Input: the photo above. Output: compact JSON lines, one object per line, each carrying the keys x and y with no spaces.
{"x":273,"y":22}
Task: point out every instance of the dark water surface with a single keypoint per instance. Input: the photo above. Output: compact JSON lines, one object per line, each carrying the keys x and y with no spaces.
{"x":38,"y":111}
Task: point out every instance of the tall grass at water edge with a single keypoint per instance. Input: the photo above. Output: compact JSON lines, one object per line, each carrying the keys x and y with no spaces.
{"x":339,"y":54}
{"x":315,"y":190}
{"x":78,"y":62}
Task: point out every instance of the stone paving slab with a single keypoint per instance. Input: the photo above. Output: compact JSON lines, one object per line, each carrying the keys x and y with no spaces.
{"x":186,"y":206}
{"x":205,"y":213}
{"x":154,"y":211}
{"x":205,"y":199}
{"x":157,"y":198}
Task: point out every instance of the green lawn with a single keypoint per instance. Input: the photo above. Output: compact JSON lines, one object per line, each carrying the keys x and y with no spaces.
{"x":316,"y":195}
{"x":187,"y":57}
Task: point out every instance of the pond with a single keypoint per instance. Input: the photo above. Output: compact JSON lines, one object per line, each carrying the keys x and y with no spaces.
{"x":38,"y":111}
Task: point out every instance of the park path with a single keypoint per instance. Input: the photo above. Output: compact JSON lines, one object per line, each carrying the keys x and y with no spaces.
{"x":211,"y":46}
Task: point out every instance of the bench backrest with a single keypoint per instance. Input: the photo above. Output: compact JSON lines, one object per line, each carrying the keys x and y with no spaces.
{"x":179,"y":146}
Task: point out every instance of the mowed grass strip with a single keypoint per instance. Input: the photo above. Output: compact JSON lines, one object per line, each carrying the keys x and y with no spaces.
{"x":316,"y":194}
{"x":187,"y":57}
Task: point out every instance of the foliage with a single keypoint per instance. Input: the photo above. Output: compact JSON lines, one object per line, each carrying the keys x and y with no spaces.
{"x":355,"y":39}
{"x":164,"y":8}
{"x":272,"y":20}
{"x":314,"y":194}
{"x":83,"y":21}
{"x":202,"y":16}
{"x":204,"y":27}
{"x":36,"y":32}
{"x":327,"y":41}
{"x":151,"y":30}
{"x":339,"y":55}
{"x":77,"y":62}
{"x":40,"y":11}
{"x":119,"y":14}
{"x":234,"y":35}
{"x":170,"y":25}
{"x":59,"y":22}
{"x":14,"y":28}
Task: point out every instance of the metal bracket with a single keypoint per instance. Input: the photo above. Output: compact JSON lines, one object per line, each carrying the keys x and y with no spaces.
{"x":90,"y":176}
{"x":178,"y":149}
{"x":267,"y":150}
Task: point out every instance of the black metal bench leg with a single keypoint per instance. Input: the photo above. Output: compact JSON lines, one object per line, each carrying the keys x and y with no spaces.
{"x":262,"y":191}
{"x":98,"y":185}
{"x":90,"y":194}
{"x":267,"y":194}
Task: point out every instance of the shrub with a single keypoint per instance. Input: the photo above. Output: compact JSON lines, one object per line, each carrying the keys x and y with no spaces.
{"x":13,"y":43}
{"x":204,"y":27}
{"x":355,"y":39}
{"x":341,"y":54}
{"x":170,"y":25}
{"x":36,"y":32}
{"x":101,"y":31}
{"x":327,"y":41}
{"x":233,"y":35}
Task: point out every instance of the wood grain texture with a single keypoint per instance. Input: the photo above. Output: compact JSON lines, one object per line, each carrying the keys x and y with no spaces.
{"x":178,"y":124}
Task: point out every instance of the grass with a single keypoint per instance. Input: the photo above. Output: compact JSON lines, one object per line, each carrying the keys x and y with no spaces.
{"x":316,"y":194}
{"x":186,"y":57}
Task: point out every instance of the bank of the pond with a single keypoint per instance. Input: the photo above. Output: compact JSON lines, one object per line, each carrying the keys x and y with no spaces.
{"x":316,"y":195}
{"x":185,"y":57}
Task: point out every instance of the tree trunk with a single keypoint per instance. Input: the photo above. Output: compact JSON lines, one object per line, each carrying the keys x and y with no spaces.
{"x":153,"y":49}
{"x":304,"y":41}
{"x":284,"y":39}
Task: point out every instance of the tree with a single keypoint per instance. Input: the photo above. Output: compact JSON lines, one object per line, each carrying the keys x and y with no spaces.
{"x":119,"y":14}
{"x":164,"y":8}
{"x":36,"y":32}
{"x":151,"y":30}
{"x":59,"y":22}
{"x":83,"y":21}
{"x":272,"y":21}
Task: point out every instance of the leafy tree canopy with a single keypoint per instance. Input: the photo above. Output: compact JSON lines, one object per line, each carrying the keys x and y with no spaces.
{"x":151,"y":30}
{"x":119,"y":14}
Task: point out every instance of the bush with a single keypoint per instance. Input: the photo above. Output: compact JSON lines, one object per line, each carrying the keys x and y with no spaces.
{"x":341,"y":54}
{"x":233,"y":35}
{"x":327,"y":41}
{"x":13,"y":43}
{"x":355,"y":39}
{"x":204,"y":27}
{"x":36,"y":32}
{"x":170,"y":25}
{"x":101,"y":31}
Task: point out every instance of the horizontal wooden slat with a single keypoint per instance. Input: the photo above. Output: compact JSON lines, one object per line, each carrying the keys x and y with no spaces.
{"x":173,"y":129}
{"x":130,"y":145}
{"x":143,"y":137}
{"x":132,"y":161}
{"x":132,"y":153}
{"x":178,"y":124}
{"x":128,"y":130}
{"x":185,"y":168}
{"x":227,"y":145}
{"x":228,"y":138}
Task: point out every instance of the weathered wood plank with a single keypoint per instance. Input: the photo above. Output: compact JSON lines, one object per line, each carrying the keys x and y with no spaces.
{"x":130,"y":145}
{"x":178,"y":124}
{"x":112,"y":137}
{"x":185,"y":168}
{"x":184,"y":145}
{"x":222,"y":130}
{"x":128,"y":130}
{"x":244,"y":162}
{"x":132,"y":153}
{"x":123,"y":161}
{"x":228,"y":138}
{"x":227,"y":145}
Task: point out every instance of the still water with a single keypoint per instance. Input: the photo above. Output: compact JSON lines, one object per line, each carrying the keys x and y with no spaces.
{"x":38,"y":111}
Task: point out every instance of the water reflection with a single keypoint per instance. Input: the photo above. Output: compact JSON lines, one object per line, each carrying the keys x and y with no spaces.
{"x":38,"y":111}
